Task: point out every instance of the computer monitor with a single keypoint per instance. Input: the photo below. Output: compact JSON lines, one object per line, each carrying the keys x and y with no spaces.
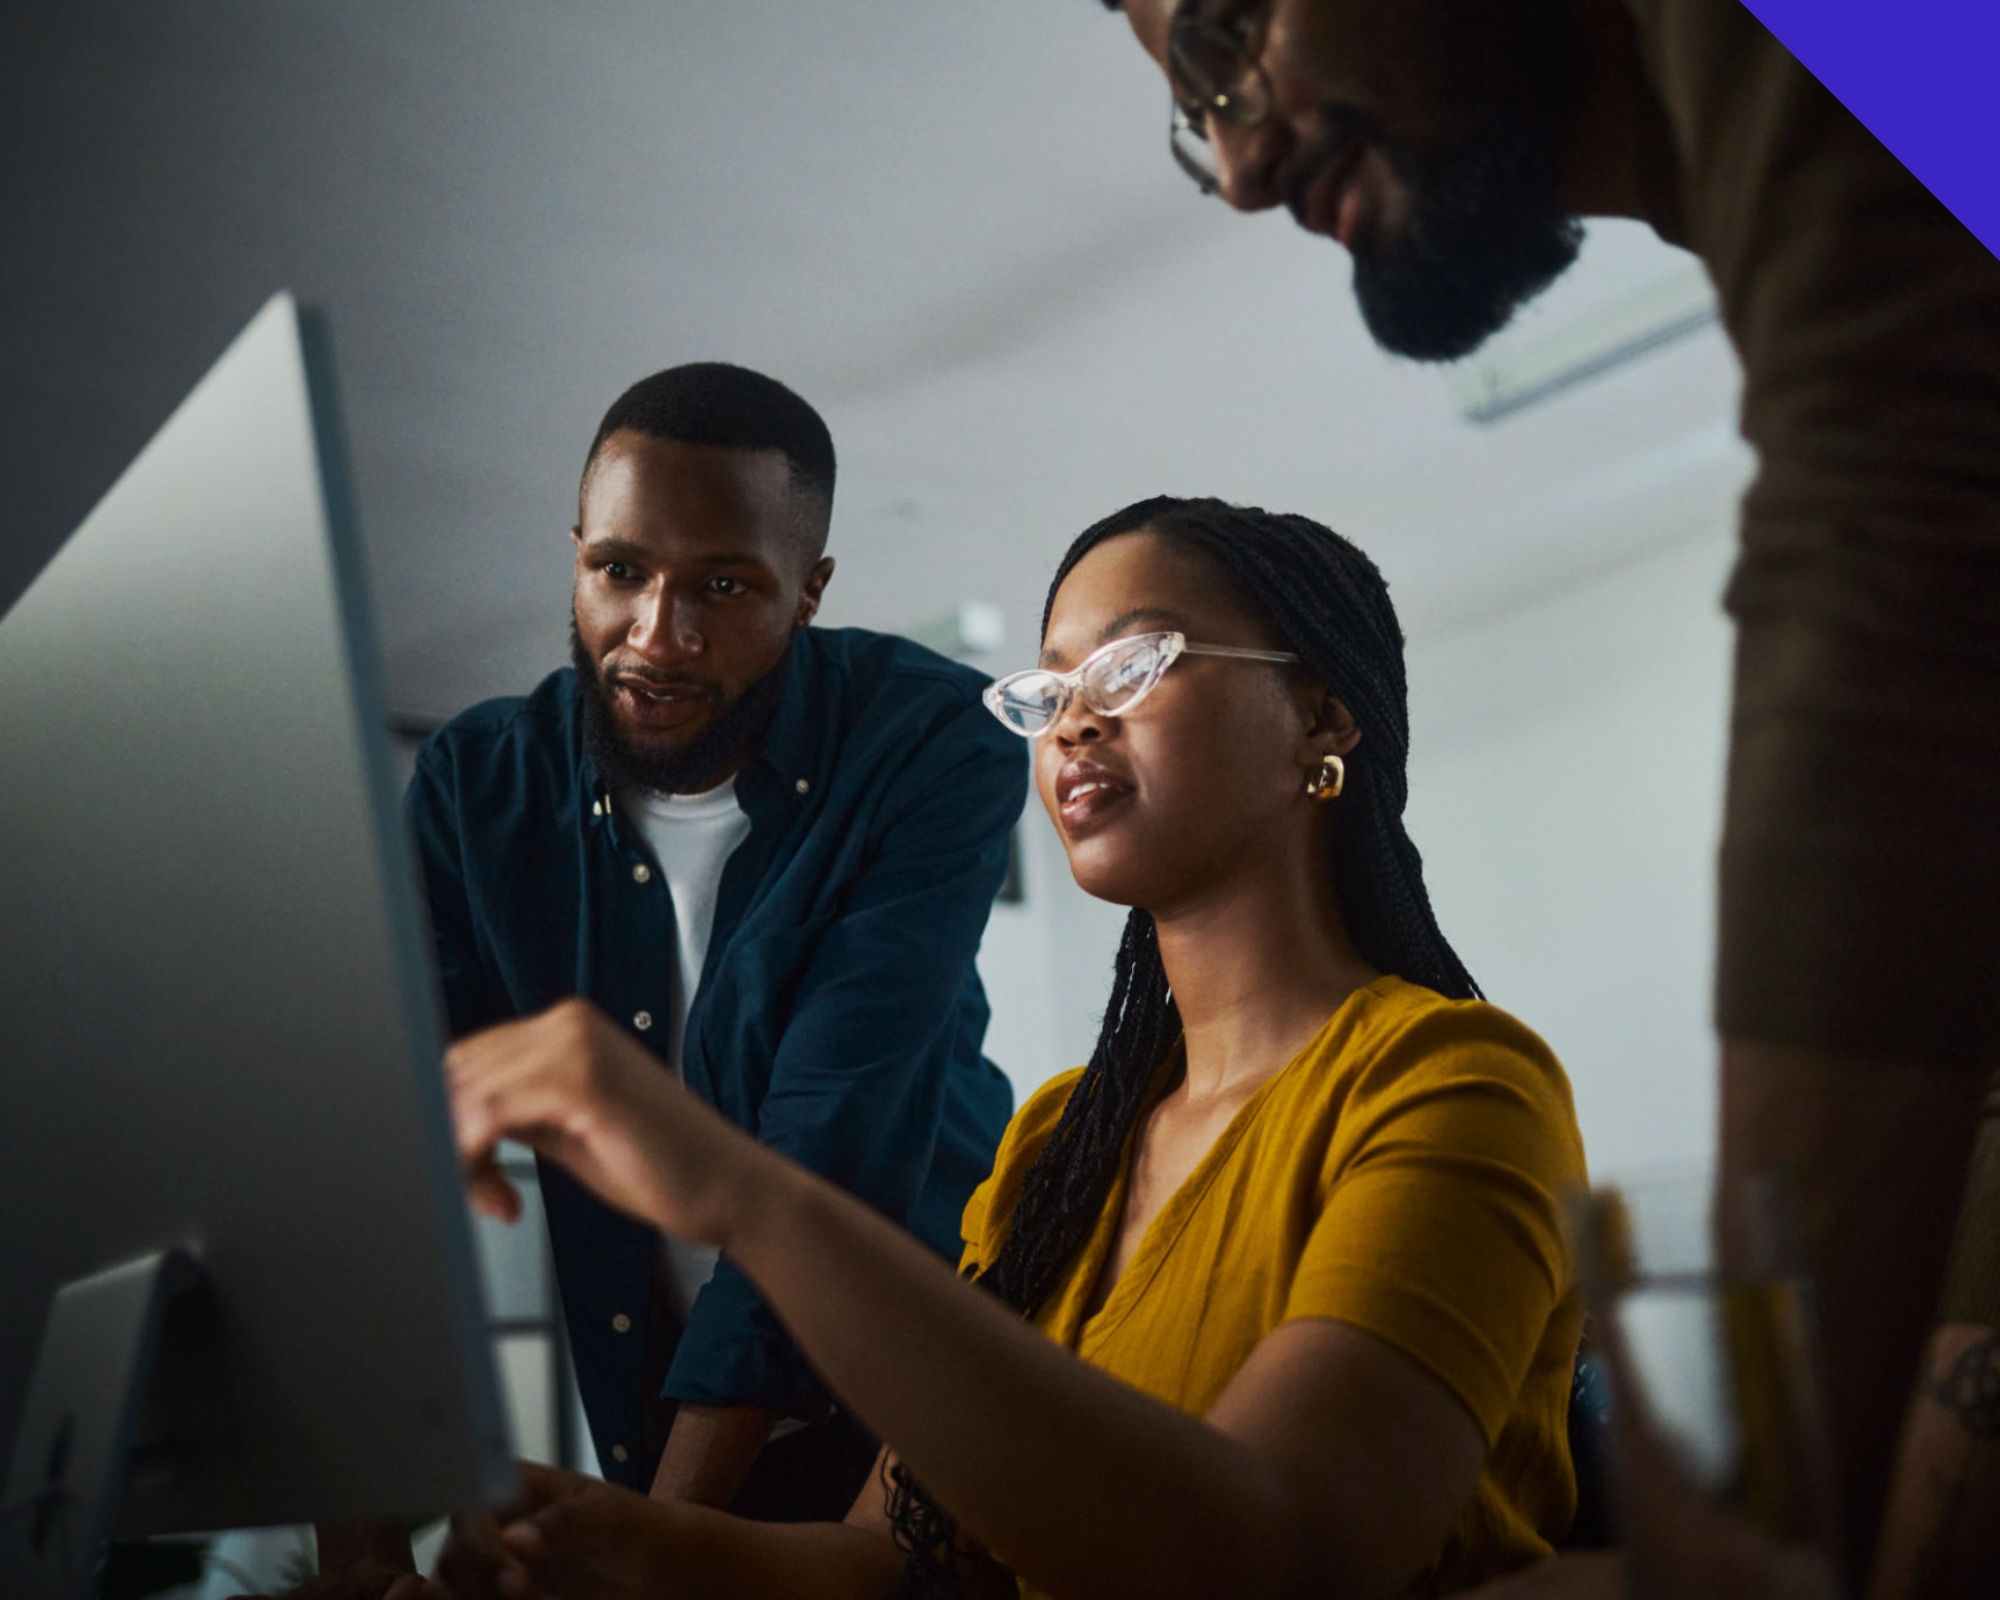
{"x":227,"y":1179}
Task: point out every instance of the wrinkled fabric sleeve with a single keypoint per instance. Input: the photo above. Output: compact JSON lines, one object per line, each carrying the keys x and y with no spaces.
{"x":858,"y":1085}
{"x":1442,"y":1229}
{"x":474,"y":997}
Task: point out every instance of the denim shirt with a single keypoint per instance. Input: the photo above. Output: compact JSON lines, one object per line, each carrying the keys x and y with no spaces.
{"x":838,"y":1016}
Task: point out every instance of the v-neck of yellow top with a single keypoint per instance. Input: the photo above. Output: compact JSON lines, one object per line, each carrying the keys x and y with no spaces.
{"x":1157,"y":1243}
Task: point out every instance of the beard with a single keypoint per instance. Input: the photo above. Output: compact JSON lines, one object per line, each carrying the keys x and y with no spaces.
{"x":1486,"y":230}
{"x":1484,"y":235}
{"x":630,"y":767}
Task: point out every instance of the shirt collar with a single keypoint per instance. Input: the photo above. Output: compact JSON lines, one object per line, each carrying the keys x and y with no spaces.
{"x":789,"y":749}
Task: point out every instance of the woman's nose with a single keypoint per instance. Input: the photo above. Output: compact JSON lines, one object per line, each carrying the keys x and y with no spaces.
{"x":1076,"y":723}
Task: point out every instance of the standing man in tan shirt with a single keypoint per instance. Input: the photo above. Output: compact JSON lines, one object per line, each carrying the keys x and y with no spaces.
{"x":1450,"y":146}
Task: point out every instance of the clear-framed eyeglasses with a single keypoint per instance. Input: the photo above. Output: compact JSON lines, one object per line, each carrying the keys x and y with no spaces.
{"x":1112,"y":680}
{"x":1213,"y":48}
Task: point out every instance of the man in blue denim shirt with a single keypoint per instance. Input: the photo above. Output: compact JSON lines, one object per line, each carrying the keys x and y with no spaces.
{"x":769,"y":850}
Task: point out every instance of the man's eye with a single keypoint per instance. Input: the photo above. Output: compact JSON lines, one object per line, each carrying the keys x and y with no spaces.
{"x":726,"y":586}
{"x":616,"y":571}
{"x":1238,"y":22}
{"x":1241,"y":18}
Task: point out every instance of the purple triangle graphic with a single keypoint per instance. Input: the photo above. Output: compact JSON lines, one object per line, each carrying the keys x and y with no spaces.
{"x":1922,"y":77}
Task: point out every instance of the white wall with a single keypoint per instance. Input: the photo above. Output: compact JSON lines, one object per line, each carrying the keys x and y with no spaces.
{"x":1566,"y":783}
{"x":1566,"y":790}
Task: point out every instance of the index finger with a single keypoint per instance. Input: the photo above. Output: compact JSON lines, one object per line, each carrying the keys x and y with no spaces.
{"x":493,"y":1192}
{"x":477,"y":1127}
{"x":542,"y":1485}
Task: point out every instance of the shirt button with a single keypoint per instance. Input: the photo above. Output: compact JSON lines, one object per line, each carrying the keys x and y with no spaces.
{"x":620,"y":1453}
{"x":642,"y":1020}
{"x":621,"y":1323}
{"x":641,"y":873}
{"x":802,"y":786}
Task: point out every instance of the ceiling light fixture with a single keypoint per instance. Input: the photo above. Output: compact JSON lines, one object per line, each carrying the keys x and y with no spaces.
{"x":1539,"y":359}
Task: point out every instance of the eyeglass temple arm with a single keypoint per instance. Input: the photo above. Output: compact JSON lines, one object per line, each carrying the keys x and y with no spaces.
{"x":1240,"y":654}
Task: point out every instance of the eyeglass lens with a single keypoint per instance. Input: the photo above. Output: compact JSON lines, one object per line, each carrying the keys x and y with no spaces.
{"x":1027,"y":703}
{"x":1212,"y":51}
{"x":1115,"y":677}
{"x":1212,"y":62}
{"x":1111,"y":680}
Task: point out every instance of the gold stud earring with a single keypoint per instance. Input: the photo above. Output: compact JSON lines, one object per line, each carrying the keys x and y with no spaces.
{"x":1329,"y":780}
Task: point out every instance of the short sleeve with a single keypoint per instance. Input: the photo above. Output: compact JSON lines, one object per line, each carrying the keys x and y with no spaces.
{"x":972,"y":1228}
{"x":1442,"y":1229}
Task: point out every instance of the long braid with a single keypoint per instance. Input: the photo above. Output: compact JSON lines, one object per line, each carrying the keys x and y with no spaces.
{"x":1061,"y":1200}
{"x":1065,"y":1189}
{"x":1329,"y":604}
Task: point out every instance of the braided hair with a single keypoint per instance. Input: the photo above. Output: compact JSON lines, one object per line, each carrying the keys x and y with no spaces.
{"x":1330,"y":606}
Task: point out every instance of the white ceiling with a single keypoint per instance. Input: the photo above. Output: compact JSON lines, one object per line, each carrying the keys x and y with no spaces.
{"x":951,"y":224}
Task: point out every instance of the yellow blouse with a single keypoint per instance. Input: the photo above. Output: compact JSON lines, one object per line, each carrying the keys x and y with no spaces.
{"x":1405,"y":1174}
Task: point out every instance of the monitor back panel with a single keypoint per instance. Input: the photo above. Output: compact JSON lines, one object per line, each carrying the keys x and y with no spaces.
{"x":218,"y":1025}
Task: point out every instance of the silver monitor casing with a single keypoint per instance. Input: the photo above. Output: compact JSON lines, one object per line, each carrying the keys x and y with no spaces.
{"x":219,"y":1029}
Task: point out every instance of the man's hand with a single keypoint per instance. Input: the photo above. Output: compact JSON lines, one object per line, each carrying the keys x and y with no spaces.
{"x":365,"y":1544}
{"x":564,"y":1534}
{"x":367,"y":1582}
{"x":365,"y":1560}
{"x":575,"y":1087}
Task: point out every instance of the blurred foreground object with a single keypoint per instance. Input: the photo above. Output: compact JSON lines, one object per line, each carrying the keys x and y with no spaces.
{"x":1724,"y":1485}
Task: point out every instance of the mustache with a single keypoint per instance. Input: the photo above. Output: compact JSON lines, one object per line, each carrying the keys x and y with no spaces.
{"x":1342,"y":126}
{"x":664,"y":682}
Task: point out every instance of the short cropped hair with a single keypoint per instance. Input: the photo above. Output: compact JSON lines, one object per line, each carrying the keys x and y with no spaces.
{"x":713,"y":402}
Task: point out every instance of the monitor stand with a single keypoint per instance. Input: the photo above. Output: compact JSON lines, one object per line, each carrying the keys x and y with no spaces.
{"x":73,"y":1456}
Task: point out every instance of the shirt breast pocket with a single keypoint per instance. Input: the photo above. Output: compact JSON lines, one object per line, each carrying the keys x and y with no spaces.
{"x":757,"y":987}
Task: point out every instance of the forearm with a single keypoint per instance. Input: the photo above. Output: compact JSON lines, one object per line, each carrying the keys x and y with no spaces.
{"x":572,"y":1536}
{"x":1875,"y":1155}
{"x":720,"y":1557}
{"x":1000,"y":1424}
{"x":1942,"y":1534}
{"x":1941,"y":1540}
{"x":710,"y":1451}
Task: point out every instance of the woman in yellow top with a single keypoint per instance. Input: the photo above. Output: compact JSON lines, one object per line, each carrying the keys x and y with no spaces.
{"x":1271,"y":1298}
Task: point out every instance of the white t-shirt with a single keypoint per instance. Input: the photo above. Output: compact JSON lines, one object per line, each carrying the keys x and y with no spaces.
{"x":691,"y":836}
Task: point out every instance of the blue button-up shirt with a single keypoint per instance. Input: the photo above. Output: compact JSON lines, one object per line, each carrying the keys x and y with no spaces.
{"x":838,"y":1016}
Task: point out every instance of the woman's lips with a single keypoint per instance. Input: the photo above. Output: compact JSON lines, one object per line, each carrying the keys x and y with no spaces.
{"x":1082,"y":800}
{"x":662,"y":709}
